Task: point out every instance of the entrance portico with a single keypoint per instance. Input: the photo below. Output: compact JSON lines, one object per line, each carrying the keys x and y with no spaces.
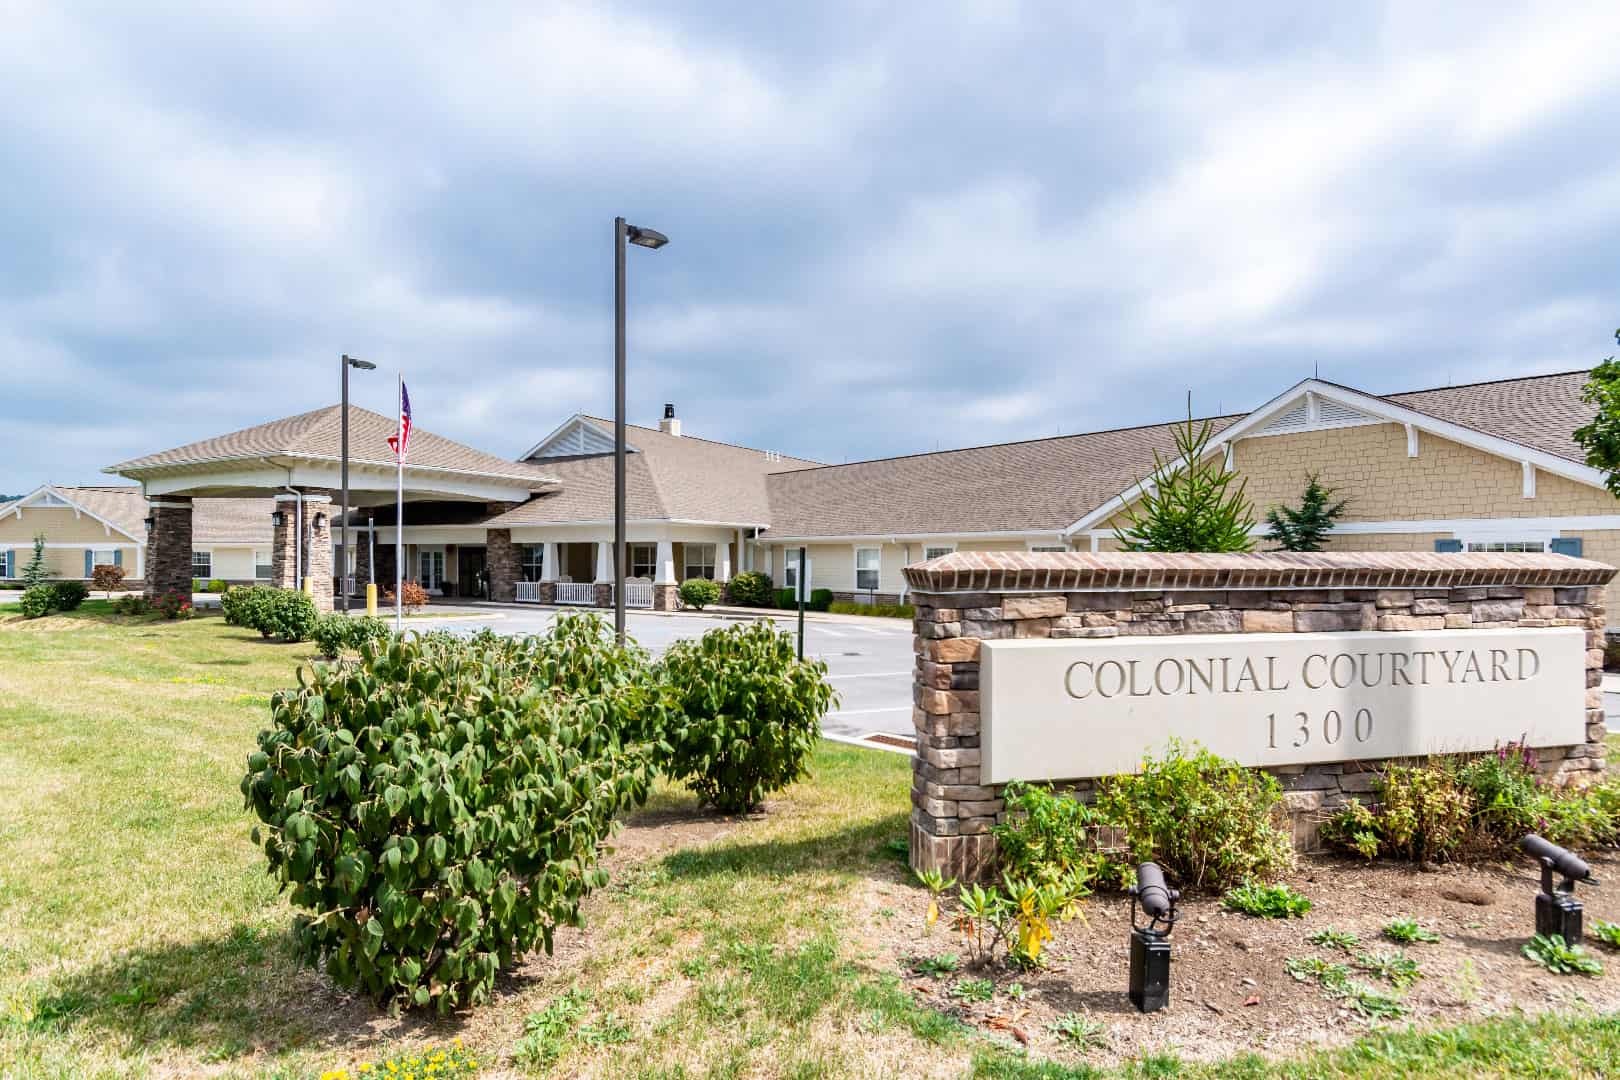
{"x":297,"y":461}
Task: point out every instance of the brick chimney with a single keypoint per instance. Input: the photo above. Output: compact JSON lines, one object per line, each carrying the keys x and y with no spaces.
{"x":669,"y":425}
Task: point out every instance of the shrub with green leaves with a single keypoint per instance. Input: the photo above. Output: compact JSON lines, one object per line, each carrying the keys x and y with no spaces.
{"x":437,"y":811}
{"x":746,"y":713}
{"x":69,"y":595}
{"x":289,"y":614}
{"x":335,"y":633}
{"x":1607,"y":933}
{"x":751,"y":588}
{"x":820,"y":600}
{"x":37,"y":600}
{"x":698,"y":593}
{"x":1045,"y":836}
{"x":1409,"y":932}
{"x":1207,"y":821}
{"x":1267,"y":901}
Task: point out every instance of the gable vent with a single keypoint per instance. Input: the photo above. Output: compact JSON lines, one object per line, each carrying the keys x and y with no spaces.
{"x":1333,"y":414}
{"x":1296,"y":419}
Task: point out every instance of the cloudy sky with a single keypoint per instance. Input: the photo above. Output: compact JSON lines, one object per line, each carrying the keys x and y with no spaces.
{"x":894,"y":227}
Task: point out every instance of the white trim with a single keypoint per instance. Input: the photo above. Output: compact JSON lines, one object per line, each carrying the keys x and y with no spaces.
{"x":274,"y":458}
{"x":902,"y":538}
{"x":28,"y":545}
{"x":1529,"y":480}
{"x":52,"y":490}
{"x":567,"y":425}
{"x":1411,"y":441}
{"x":858,"y":548}
{"x":1374,"y":406}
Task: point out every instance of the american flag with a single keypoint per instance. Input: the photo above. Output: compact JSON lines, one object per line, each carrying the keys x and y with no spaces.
{"x":401,"y":440}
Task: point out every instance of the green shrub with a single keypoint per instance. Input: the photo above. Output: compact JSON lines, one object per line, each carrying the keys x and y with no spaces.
{"x":1046,"y":837}
{"x":437,"y":811}
{"x":1506,"y":794}
{"x":291,"y":615}
{"x":233,"y":603}
{"x":215,"y":585}
{"x":334,"y":633}
{"x":1208,"y":821}
{"x":69,"y":594}
{"x":1424,"y":812}
{"x":751,"y":588}
{"x":174,"y":605}
{"x":746,"y":713}
{"x":1266,"y":901}
{"x":37,"y":600}
{"x":131,"y":604}
{"x":820,"y":600}
{"x":699,"y":593}
{"x":1353,"y":827}
{"x":887,"y":611}
{"x":786,"y":600}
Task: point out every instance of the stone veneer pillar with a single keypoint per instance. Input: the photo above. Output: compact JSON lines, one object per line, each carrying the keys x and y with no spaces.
{"x":968,"y":597}
{"x":283,"y":544}
{"x":168,"y":546}
{"x":318,"y":550}
{"x":501,"y":557}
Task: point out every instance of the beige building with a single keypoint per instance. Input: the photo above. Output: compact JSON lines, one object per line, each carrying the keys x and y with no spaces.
{"x":1483,"y":467}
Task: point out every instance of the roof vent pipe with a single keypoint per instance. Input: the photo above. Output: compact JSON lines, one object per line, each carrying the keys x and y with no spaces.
{"x":669,"y":425}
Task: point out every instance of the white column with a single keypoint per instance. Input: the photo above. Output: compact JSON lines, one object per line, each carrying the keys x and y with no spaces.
{"x":722,"y":566}
{"x":604,"y":562}
{"x":550,"y":562}
{"x":666,"y":563}
{"x":742,"y":552}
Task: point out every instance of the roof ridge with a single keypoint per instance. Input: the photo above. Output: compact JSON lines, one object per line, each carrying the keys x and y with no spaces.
{"x":700,"y":438}
{"x":1011,"y":442}
{"x":1482,"y":382}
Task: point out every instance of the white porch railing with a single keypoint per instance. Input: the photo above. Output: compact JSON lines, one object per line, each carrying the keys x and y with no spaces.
{"x":638,"y":594}
{"x":528,"y":592}
{"x":576,"y":592}
{"x":348,"y":585}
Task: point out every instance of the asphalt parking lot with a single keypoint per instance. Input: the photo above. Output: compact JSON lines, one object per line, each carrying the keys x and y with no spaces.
{"x":869,"y":661}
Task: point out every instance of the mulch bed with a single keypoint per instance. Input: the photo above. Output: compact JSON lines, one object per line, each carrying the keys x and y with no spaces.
{"x":1229,"y":990}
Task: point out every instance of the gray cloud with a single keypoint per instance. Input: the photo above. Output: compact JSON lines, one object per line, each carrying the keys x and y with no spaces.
{"x":893,"y":228}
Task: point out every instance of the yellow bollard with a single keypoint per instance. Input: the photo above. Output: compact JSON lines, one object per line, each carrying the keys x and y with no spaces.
{"x":371,"y":601}
{"x":309,"y":586}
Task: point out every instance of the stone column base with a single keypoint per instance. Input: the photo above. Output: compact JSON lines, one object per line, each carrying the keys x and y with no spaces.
{"x":501,"y":558}
{"x":965,"y":858}
{"x":168,"y":547}
{"x":604,"y":594}
{"x":665,"y":597}
{"x":548,"y":592}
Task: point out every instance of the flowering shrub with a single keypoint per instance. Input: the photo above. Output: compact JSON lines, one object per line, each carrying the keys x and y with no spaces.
{"x":437,"y":809}
{"x":174,"y":605}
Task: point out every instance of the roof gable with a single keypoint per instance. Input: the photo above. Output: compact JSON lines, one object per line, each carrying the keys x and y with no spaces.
{"x":576,"y":437}
{"x":49,"y":496}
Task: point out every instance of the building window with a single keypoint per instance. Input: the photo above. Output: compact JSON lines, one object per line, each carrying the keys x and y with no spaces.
{"x":1507,"y":545}
{"x":104,"y":557}
{"x":432,"y":564}
{"x":699,"y":561}
{"x":867,"y":563}
{"x":261,"y":565}
{"x":202,"y":564}
{"x":532,"y":562}
{"x":936,"y":551}
{"x":1047,"y":547}
{"x":643,"y":560}
{"x":8,"y":564}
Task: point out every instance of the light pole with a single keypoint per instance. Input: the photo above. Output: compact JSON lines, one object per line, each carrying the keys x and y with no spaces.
{"x":343,"y":525}
{"x":647,"y":238}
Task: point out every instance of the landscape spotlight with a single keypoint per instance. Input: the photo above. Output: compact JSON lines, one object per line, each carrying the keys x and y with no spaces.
{"x":1149,"y":987}
{"x":1558,"y":913}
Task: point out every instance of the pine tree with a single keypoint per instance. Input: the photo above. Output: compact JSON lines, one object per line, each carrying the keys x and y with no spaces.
{"x":1190,"y":502}
{"x":1306,"y":528}
{"x":36,"y":572}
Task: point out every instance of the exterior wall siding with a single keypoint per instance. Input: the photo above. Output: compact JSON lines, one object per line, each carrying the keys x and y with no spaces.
{"x":60,"y":526}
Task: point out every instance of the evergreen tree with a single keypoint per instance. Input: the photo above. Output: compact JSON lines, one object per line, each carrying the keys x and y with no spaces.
{"x":36,"y":572}
{"x":1304,"y":529}
{"x":1600,"y":438}
{"x":1191,"y":502}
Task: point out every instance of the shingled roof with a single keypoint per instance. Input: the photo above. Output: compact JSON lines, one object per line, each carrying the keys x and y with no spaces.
{"x":318,"y":434}
{"x":1045,"y":485}
{"x":668,"y":477}
{"x":213,"y":521}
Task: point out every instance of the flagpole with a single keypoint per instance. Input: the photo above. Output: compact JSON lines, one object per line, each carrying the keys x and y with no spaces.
{"x":399,"y":516}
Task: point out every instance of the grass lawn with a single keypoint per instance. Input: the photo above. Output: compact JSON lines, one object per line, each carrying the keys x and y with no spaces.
{"x":140,"y":937}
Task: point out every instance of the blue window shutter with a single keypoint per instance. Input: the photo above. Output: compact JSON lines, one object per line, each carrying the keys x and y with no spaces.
{"x":89,"y":562}
{"x":1566,"y":545}
{"x":1448,"y":545}
{"x":118,"y":556}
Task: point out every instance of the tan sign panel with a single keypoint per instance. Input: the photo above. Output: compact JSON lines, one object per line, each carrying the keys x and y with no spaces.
{"x":1055,"y":710}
